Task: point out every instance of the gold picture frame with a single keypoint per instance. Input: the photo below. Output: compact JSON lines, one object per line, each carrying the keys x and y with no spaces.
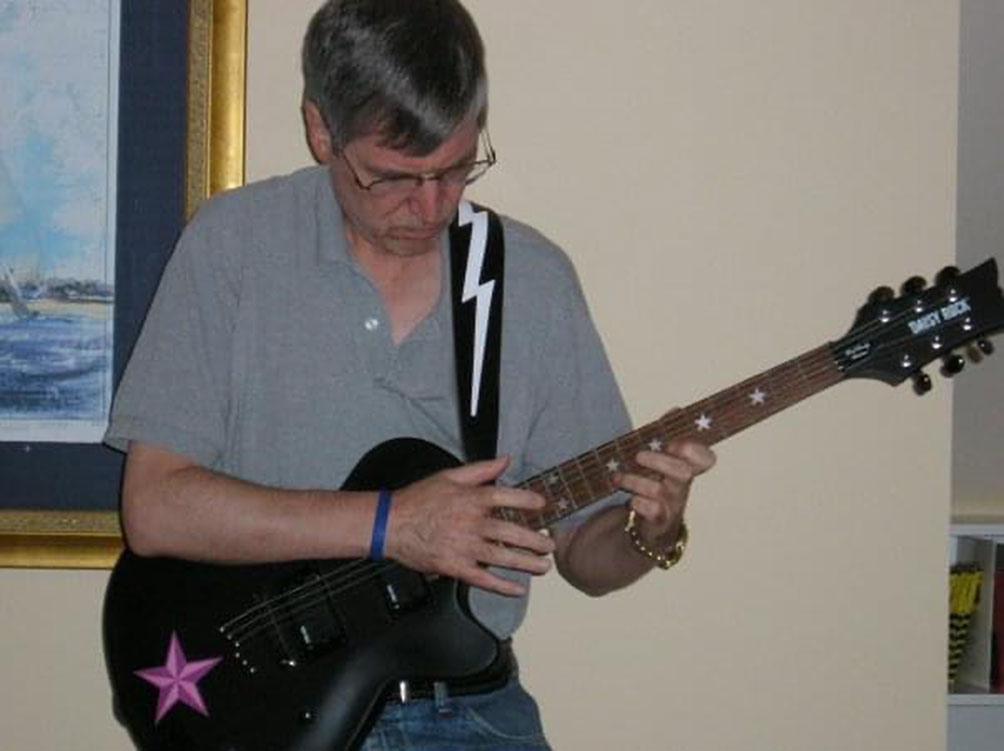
{"x":217,"y":64}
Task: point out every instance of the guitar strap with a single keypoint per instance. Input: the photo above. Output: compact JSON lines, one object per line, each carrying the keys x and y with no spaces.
{"x":477,"y":263}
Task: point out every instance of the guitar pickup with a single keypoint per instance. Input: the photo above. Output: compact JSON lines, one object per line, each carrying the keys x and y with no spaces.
{"x":318,"y":631}
{"x":404,"y":591}
{"x":303,"y":623}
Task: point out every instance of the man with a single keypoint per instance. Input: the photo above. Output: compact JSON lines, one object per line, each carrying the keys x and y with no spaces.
{"x":305,"y":319}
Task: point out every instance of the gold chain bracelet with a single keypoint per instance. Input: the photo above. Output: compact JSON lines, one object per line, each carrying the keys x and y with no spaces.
{"x":665,"y":560}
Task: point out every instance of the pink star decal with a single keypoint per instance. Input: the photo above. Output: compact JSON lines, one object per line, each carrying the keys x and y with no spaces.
{"x":178,"y":680}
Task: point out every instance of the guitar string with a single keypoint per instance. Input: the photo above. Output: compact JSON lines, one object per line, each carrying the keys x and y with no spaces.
{"x":317,"y":594}
{"x":726,"y":405}
{"x":252,"y":621}
{"x":297,"y":601}
{"x":828,"y":353}
{"x":308,"y":595}
{"x":782,"y":379}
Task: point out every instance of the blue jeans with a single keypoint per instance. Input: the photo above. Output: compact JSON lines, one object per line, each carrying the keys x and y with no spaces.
{"x":503,"y":720}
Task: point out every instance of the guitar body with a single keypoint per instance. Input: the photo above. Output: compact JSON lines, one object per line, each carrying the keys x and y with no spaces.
{"x":297,"y":655}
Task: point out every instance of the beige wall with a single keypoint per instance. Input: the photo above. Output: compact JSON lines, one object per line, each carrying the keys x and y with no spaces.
{"x":978,"y":414}
{"x":731,"y":179}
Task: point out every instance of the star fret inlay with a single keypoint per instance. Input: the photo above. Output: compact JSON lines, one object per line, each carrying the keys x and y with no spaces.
{"x":758,"y":397}
{"x":703,"y":423}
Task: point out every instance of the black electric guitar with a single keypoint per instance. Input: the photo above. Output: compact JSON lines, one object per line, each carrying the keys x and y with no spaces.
{"x":299,"y":656}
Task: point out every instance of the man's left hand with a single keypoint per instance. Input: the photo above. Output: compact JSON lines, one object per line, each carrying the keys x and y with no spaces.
{"x":660,"y":499}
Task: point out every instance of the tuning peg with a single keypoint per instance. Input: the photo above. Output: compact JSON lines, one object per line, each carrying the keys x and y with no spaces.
{"x":979,"y":349}
{"x":882,"y":295}
{"x":952,"y":365}
{"x":921,"y":383}
{"x":946,"y":275}
{"x":913,"y":285}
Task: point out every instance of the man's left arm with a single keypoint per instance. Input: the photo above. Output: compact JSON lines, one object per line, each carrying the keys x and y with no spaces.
{"x":598,"y":557}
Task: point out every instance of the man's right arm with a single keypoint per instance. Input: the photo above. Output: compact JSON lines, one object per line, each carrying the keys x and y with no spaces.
{"x":172,"y":506}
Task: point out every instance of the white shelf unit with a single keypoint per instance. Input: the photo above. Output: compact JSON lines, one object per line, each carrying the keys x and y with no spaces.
{"x":975,"y":713}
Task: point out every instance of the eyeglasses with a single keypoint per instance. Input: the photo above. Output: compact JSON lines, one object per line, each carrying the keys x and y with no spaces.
{"x":402,"y":186}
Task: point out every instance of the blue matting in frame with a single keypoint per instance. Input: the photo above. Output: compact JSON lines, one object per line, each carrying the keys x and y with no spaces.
{"x":149,"y":218}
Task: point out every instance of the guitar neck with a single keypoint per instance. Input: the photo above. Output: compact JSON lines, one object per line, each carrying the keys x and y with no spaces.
{"x":588,"y":478}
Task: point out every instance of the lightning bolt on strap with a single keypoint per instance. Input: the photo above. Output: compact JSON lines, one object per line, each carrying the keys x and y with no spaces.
{"x":475,"y":289}
{"x":477,"y":263}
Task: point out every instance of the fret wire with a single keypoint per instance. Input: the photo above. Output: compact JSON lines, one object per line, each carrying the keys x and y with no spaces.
{"x":801,"y":372}
{"x":655,"y":437}
{"x":624,"y":448}
{"x":569,"y":496}
{"x":599,"y":476}
{"x":603,"y":468}
{"x":585,"y":462}
{"x":633,"y":447}
{"x":538,"y":486}
{"x":588,"y":494}
{"x":594,"y":474}
{"x":738,"y":413}
{"x":532,"y":519}
{"x":518,"y":516}
{"x":646,"y":436}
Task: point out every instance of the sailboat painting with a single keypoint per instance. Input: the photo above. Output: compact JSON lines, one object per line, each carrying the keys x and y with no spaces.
{"x":58,"y":123}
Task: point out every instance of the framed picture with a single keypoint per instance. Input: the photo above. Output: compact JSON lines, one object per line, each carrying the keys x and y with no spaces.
{"x":180,"y":138}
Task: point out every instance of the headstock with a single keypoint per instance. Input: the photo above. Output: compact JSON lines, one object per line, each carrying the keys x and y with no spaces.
{"x":893,"y":338}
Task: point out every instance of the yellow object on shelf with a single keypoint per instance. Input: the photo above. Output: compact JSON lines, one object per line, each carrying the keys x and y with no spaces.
{"x":964,"y":595}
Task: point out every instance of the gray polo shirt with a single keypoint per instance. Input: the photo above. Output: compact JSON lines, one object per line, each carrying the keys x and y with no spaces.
{"x":267,"y":355}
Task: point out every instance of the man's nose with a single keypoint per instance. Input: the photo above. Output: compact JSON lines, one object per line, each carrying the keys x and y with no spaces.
{"x":427,"y":201}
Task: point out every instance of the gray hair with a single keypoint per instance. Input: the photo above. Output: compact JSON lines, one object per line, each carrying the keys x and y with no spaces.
{"x":411,"y":70}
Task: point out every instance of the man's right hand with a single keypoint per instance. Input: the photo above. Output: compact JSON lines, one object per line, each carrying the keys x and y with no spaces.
{"x":444,"y":524}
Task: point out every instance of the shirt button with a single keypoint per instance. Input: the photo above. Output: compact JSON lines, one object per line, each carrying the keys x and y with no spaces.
{"x":372,"y":324}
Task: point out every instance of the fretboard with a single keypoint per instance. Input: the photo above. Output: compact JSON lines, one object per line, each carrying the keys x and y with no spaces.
{"x":589,"y":477}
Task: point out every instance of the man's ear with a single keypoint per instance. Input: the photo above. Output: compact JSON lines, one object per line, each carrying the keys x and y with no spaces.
{"x":318,"y":135}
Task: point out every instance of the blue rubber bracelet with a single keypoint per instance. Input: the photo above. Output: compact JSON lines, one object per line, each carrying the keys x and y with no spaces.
{"x":380,"y":526}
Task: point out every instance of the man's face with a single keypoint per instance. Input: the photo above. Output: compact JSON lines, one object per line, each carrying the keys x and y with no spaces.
{"x":405,"y":221}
